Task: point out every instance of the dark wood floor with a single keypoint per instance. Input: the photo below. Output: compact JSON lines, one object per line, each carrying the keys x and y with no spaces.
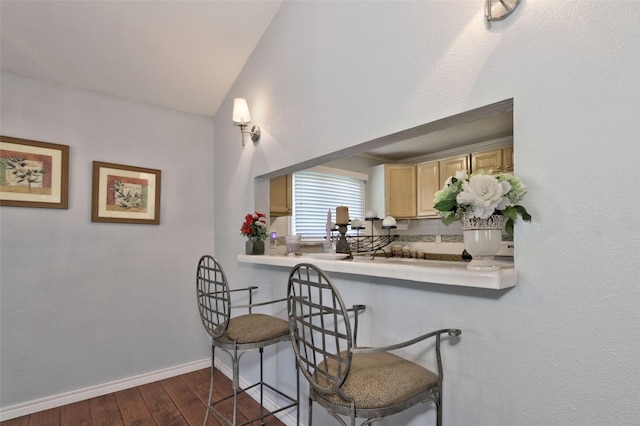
{"x":177,"y":401}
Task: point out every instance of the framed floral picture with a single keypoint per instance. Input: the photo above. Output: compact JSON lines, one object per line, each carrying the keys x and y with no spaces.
{"x":33,"y":174}
{"x":125,"y":194}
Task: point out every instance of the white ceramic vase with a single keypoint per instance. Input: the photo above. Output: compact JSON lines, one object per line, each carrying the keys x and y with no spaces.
{"x":482,"y":240}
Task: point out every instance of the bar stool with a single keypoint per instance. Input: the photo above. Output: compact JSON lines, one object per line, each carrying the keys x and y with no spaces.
{"x":347,"y":379}
{"x":237,"y":335}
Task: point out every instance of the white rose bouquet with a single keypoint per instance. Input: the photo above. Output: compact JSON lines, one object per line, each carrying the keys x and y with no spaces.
{"x":481,"y":195}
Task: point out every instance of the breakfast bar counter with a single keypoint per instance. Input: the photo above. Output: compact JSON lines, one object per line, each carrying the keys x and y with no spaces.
{"x":426,"y":271}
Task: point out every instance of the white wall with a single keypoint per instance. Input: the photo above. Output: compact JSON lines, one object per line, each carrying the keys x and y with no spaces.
{"x":87,"y":303}
{"x":560,"y":348}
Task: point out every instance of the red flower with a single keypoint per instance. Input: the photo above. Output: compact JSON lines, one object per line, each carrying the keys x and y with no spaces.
{"x":255,"y":226}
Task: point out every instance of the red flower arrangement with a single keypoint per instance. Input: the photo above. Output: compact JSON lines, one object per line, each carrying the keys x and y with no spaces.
{"x":255,"y":226}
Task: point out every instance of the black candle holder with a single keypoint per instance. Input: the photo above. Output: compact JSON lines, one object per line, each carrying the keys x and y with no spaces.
{"x":350,"y":244}
{"x":342,"y":246}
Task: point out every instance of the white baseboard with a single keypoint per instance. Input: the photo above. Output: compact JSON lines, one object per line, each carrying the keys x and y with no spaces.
{"x":29,"y":407}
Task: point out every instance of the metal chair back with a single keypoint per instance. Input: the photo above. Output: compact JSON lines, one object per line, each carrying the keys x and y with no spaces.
{"x":320,"y":328}
{"x":214,"y":299}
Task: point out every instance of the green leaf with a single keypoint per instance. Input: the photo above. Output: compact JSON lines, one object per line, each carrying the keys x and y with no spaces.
{"x":447,"y":204}
{"x":449,"y":219}
{"x":509,"y":226}
{"x":523,"y":212}
{"x":511,"y":213}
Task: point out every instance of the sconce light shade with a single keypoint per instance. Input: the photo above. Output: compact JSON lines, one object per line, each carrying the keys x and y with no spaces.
{"x":241,"y":111}
{"x":242,"y":117}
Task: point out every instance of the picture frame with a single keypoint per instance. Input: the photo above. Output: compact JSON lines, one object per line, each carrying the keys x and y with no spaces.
{"x":125,"y":194}
{"x":33,"y":173}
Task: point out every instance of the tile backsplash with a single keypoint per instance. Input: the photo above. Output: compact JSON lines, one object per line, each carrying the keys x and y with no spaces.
{"x":430,"y":235}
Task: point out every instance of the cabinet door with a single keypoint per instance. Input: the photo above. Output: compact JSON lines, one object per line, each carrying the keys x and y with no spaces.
{"x":507,"y":159}
{"x":280,"y":196}
{"x":449,"y":167}
{"x":428,"y":184}
{"x":400,"y":190}
{"x":487,"y":160}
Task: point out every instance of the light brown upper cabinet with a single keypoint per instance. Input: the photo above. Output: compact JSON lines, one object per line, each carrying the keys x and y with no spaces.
{"x":406,"y":191}
{"x":507,"y":159}
{"x":431,"y":178}
{"x":497,"y":160}
{"x":393,"y":190}
{"x":428,"y":176}
{"x":400,"y":190}
{"x":280,"y":196}
{"x":449,"y":167}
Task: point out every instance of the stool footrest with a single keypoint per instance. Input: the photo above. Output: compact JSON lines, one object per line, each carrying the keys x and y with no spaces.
{"x":293,"y":402}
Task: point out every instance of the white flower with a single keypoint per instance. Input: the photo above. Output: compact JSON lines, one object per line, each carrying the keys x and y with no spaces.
{"x":480,"y":196}
{"x":518,"y":189}
{"x":461,"y":175}
{"x":484,"y":194}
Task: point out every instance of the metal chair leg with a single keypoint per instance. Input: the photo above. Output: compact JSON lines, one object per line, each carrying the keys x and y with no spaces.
{"x":213,"y":352}
{"x":298,"y":397}
{"x":236,"y":383}
{"x":261,"y":388}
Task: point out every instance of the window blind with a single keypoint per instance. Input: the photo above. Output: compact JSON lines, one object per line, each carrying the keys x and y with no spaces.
{"x":315,"y":192}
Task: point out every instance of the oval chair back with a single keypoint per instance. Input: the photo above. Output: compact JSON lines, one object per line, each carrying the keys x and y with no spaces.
{"x":320,"y":329}
{"x":214,"y":299}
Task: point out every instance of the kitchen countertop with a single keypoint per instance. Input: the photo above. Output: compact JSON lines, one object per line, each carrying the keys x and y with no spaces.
{"x":426,"y":271}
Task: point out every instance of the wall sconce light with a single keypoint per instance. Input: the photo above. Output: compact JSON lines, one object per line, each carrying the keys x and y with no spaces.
{"x":242,"y":118}
{"x":497,"y":10}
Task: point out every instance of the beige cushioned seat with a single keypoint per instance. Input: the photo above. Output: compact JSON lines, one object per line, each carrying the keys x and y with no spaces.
{"x":380,"y":380}
{"x":252,"y":328}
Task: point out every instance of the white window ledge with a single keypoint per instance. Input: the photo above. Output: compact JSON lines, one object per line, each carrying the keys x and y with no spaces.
{"x":426,"y":271}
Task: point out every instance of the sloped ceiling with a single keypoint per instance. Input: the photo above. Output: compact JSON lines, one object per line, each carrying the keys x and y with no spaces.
{"x":183,"y":55}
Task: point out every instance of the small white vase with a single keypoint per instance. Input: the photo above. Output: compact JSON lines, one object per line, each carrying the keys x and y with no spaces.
{"x":482,"y":240}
